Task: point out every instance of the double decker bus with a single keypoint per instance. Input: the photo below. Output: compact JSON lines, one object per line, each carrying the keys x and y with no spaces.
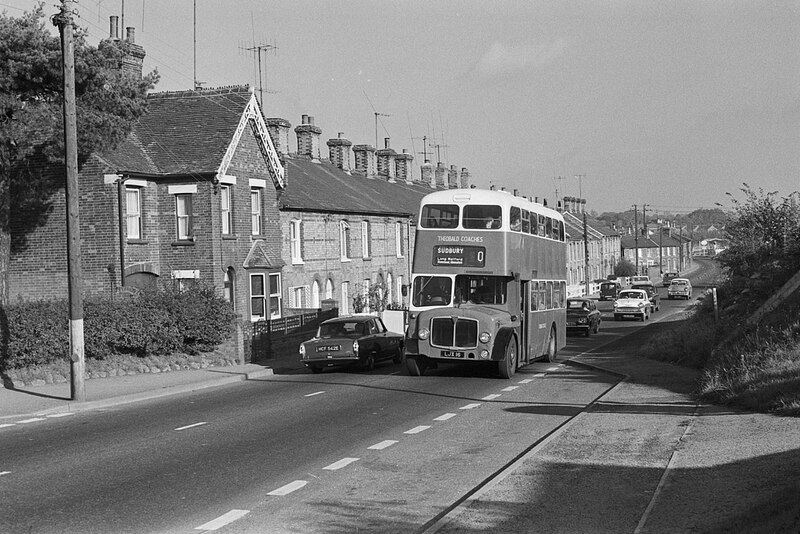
{"x":488,"y":281}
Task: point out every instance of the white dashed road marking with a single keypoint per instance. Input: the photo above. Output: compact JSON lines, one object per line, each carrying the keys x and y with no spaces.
{"x":470,"y":406}
{"x":223,"y":520}
{"x":509,"y":388}
{"x":191,"y":426}
{"x":65,"y":414}
{"x":288,"y":488}
{"x":5,"y":473}
{"x":315,"y":393}
{"x":417,"y":429}
{"x":539,"y":375}
{"x":444,"y":417}
{"x":33,"y":420}
{"x":553,"y":368}
{"x":4,"y":425}
{"x":344,"y":462}
{"x":491,"y":397}
{"x":383,"y":444}
{"x":526,"y":381}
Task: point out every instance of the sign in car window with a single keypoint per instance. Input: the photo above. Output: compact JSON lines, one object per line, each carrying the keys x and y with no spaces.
{"x":459,"y":256}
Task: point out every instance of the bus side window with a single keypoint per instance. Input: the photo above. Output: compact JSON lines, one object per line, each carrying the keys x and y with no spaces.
{"x":548,"y":232}
{"x":526,"y":223}
{"x":534,"y":296}
{"x":516,"y":224}
{"x":541,"y":226}
{"x":548,"y":296}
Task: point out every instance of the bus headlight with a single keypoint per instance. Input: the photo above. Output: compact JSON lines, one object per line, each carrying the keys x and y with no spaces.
{"x":423,"y":333}
{"x":485,"y":337}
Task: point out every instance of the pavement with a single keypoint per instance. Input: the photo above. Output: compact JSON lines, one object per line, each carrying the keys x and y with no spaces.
{"x":698,"y":468}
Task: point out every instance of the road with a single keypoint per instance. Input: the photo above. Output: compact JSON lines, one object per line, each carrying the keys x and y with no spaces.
{"x":334,"y":452}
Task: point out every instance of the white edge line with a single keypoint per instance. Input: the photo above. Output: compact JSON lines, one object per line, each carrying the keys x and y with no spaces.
{"x":32,"y":420}
{"x":223,"y":520}
{"x":417,"y":429}
{"x":344,"y":462}
{"x":288,"y":488}
{"x":383,"y":444}
{"x":5,"y":425}
{"x":315,"y":393}
{"x":5,"y":473}
{"x":191,"y":426}
{"x":444,"y":417}
{"x":62,"y":414}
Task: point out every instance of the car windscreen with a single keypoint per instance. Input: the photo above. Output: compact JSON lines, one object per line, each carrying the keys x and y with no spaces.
{"x":631,"y":295}
{"x":575,"y":304}
{"x":341,"y":329}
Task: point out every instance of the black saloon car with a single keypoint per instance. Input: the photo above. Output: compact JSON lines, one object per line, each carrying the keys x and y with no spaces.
{"x":351,"y":340}
{"x":583,"y":316}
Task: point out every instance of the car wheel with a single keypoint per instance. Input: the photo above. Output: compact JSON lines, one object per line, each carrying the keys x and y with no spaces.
{"x":616,"y":317}
{"x":508,"y":365}
{"x":369,"y":361}
{"x":398,"y":355}
{"x":415,"y":366}
{"x":552,"y":347}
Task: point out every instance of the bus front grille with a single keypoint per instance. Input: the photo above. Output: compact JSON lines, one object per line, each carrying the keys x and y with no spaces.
{"x":454,"y":332}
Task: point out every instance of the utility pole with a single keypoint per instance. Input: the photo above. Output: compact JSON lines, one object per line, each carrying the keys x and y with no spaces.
{"x":647,"y":237}
{"x":636,"y":234}
{"x":585,"y":234}
{"x":660,"y":249}
{"x":74,"y":274}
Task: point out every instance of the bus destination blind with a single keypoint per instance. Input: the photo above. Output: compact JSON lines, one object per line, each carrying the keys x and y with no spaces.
{"x":459,"y":256}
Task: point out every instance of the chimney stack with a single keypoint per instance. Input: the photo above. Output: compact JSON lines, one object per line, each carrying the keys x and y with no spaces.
{"x":441,"y":176}
{"x":308,"y":138}
{"x":403,"y":166}
{"x":452,"y":177}
{"x":132,"y":54}
{"x":386,"y":161}
{"x":464,"y":178}
{"x":426,"y":174}
{"x":339,"y":151}
{"x":279,"y":132}
{"x":365,"y":160}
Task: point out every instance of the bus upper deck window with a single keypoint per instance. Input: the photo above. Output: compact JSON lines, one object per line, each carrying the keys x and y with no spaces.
{"x":548,"y":231}
{"x":439,"y":216}
{"x":515,"y":219}
{"x":526,"y":223}
{"x":482,"y":216}
{"x":541,"y":226}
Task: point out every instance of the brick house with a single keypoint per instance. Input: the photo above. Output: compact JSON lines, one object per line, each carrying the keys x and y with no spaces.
{"x":603,"y":244}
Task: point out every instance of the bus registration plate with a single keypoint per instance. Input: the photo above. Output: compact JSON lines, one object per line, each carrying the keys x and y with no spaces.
{"x":452,"y":354}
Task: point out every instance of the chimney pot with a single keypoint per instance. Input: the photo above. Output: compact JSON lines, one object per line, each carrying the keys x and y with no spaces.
{"x":114,"y":27}
{"x":304,"y":119}
{"x":386,"y":142}
{"x":130,"y":35}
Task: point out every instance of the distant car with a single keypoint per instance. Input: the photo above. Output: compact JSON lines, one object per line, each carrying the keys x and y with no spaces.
{"x":652,"y":294}
{"x":667,"y":277}
{"x":632,"y":303}
{"x":351,"y":340}
{"x":679,"y":288}
{"x":583,"y":316}
{"x":640,"y":280}
{"x":609,"y":290}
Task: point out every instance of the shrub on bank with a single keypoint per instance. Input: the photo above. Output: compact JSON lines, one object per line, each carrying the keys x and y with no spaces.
{"x":161,"y":321}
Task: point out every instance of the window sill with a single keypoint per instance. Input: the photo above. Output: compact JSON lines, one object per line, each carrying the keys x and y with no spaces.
{"x":137,"y":242}
{"x":298,"y":261}
{"x":345,"y":260}
{"x":230,"y":237}
{"x":368,"y":258}
{"x":183,"y":243}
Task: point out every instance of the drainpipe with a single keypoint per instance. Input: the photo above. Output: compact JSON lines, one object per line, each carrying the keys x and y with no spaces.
{"x":120,"y":190}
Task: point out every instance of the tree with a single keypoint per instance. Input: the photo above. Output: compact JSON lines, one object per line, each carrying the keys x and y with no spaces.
{"x":109,"y":101}
{"x":624,"y":268}
{"x":764,"y":236}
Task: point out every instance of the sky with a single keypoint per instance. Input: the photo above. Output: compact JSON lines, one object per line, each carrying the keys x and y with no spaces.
{"x":671,"y":104}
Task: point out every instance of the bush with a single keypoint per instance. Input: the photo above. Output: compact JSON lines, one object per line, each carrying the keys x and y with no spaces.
{"x":162,"y":321}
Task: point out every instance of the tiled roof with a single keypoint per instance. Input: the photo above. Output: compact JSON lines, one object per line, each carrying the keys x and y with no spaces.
{"x":324,"y":187}
{"x":185,"y":132}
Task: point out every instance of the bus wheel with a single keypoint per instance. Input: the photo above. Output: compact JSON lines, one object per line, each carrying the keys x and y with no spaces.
{"x":552,"y":347}
{"x":508,"y":365}
{"x":414,"y":366}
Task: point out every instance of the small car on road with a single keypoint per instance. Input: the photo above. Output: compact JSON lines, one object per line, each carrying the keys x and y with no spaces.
{"x":609,"y":290}
{"x":652,"y":294}
{"x":667,"y":277}
{"x":583,"y":316}
{"x":351,"y":340}
{"x":679,"y":288}
{"x":640,"y":279}
{"x":632,"y":303}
